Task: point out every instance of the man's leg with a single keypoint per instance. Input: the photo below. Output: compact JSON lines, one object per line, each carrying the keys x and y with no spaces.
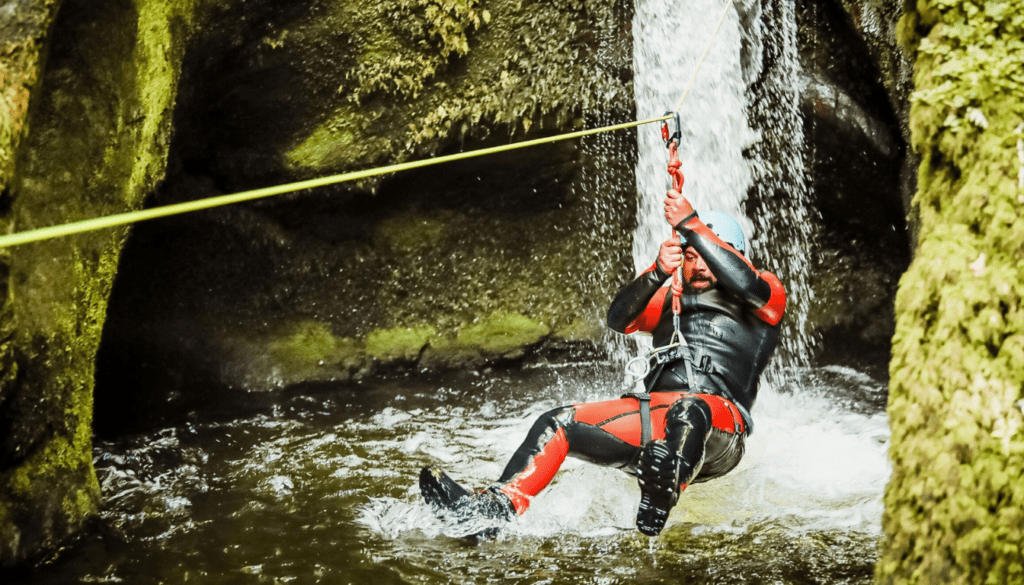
{"x":704,"y":439}
{"x":605,"y":433}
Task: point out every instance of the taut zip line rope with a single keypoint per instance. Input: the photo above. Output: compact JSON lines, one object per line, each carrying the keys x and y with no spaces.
{"x":68,"y":229}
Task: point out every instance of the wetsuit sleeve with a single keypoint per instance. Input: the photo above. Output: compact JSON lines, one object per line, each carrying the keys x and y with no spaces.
{"x":762,"y":291}
{"x":638,"y":305}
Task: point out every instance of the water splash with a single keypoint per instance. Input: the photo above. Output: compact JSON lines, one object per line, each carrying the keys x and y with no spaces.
{"x":780,"y":197}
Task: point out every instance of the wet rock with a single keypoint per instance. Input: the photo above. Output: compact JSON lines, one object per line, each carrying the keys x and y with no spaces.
{"x":854,"y":90}
{"x":86,"y":137}
{"x":475,"y":262}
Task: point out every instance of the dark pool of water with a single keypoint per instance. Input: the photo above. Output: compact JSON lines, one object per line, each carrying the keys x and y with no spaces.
{"x":319,"y":487}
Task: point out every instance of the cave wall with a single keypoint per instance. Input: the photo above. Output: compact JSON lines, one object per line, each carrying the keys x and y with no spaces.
{"x":464,"y":265}
{"x":93,"y":87}
{"x":955,"y":502}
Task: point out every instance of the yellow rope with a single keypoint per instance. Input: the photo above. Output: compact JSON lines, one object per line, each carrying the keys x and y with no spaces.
{"x":88,"y":225}
{"x":99,"y":223}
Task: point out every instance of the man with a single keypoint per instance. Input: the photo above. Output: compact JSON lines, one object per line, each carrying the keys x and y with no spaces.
{"x":697,"y":414}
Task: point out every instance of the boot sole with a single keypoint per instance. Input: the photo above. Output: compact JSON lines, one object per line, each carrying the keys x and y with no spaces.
{"x":658,"y":489}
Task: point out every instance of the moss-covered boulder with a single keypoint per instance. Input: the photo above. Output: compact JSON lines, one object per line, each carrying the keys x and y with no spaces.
{"x":955,"y":503}
{"x":87,"y":137}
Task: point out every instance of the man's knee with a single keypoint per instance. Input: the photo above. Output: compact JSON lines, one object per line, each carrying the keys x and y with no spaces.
{"x":689,"y":412}
{"x":552,"y":420}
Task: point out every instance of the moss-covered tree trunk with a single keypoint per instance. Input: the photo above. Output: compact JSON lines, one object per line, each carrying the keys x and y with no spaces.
{"x":88,"y":103}
{"x":955,"y":503}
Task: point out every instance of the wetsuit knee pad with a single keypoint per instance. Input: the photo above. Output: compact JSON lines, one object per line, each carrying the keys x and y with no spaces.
{"x":693,"y":412}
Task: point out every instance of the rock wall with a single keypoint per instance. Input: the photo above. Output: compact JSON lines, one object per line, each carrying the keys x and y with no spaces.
{"x":955,"y":503}
{"x":88,"y":96}
{"x":856,"y":80}
{"x":463,"y":265}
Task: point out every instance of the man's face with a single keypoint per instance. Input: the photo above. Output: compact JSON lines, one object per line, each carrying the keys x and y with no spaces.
{"x":697,"y":277}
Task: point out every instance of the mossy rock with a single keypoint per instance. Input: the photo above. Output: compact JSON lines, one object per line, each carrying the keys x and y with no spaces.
{"x":399,"y":343}
{"x":581,"y":329}
{"x":304,"y":351}
{"x":502,"y":334}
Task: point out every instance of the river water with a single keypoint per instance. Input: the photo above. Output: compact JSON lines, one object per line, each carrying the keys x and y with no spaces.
{"x":320,"y":487}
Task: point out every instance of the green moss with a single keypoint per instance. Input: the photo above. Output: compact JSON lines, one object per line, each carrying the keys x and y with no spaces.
{"x":97,"y":145}
{"x":581,"y":329}
{"x":955,"y":373}
{"x":411,"y":233}
{"x":308,"y":344}
{"x":332,"y":144}
{"x":400,"y":343}
{"x":502,"y":333}
{"x":428,"y":72}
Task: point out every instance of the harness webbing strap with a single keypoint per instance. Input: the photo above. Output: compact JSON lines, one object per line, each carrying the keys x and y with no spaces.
{"x":645,"y":418}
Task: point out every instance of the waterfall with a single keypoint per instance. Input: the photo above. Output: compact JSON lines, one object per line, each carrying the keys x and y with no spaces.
{"x":742,"y":143}
{"x":668,"y":41}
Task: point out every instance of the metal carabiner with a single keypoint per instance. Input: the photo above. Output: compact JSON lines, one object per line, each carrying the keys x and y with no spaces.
{"x":677,"y":136}
{"x":645,"y":360}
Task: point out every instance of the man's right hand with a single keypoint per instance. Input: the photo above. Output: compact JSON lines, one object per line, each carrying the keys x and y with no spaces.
{"x":670,"y":256}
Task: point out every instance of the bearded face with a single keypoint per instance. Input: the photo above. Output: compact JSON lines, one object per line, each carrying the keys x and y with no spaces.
{"x":697,"y":277}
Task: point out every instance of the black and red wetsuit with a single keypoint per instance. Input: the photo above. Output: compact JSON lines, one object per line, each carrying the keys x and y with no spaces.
{"x":731,"y":332}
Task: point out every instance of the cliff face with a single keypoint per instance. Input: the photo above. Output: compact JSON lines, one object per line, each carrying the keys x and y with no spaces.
{"x":92,"y":88}
{"x":955,"y":503}
{"x":461,"y":266}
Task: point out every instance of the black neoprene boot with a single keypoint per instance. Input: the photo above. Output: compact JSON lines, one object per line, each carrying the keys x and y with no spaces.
{"x":465,"y":513}
{"x":658,"y":475}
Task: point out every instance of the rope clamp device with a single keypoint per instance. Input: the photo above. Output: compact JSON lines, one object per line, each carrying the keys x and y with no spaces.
{"x":676,"y":136}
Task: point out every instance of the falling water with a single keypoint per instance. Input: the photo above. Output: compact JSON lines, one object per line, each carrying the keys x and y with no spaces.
{"x":741,"y":141}
{"x":668,"y":41}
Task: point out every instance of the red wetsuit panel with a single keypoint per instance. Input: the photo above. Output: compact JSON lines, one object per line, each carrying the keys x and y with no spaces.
{"x":648,"y":319}
{"x":724,"y":414}
{"x":538,"y":473}
{"x":771,"y":312}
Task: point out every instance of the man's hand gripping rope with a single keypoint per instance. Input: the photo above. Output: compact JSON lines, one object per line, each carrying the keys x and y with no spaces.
{"x":670,"y":256}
